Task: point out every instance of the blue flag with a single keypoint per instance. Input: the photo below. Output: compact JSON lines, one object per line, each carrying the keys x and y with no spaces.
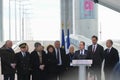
{"x":68,"y":39}
{"x":63,"y":39}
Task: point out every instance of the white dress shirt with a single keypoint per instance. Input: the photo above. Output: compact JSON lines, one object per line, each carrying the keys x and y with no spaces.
{"x":82,"y":52}
{"x":60,"y":59}
{"x":23,"y":54}
{"x":109,"y":49}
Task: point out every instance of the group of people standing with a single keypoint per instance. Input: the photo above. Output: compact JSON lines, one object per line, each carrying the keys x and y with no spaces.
{"x":50,"y":64}
{"x":96,"y":52}
{"x":38,"y":63}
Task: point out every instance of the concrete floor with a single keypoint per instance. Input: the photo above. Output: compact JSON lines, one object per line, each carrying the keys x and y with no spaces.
{"x":69,"y":75}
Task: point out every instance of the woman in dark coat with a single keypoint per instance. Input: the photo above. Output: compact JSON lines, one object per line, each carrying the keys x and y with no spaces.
{"x":51,"y":63}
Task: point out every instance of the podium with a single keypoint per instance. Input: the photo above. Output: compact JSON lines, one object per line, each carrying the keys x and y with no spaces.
{"x":82,"y":67}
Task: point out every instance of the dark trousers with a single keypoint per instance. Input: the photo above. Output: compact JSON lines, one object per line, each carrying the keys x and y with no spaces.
{"x":108,"y":74}
{"x":23,"y":77}
{"x":96,"y":73}
{"x":60,"y":69}
{"x":9,"y":76}
{"x":39,"y":75}
{"x":52,"y":76}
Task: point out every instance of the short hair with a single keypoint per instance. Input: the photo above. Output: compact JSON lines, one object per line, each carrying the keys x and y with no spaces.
{"x":110,"y":41}
{"x":37,"y":44}
{"x":82,"y":42}
{"x":6,"y":42}
{"x":50,"y":46}
{"x":71,"y":46}
{"x":95,"y":37}
{"x":57,"y":41}
{"x":43,"y":46}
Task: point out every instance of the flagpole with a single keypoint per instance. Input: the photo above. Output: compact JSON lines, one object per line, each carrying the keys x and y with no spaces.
{"x":68,"y":37}
{"x":10,"y":19}
{"x":63,"y":37}
{"x":62,"y":25}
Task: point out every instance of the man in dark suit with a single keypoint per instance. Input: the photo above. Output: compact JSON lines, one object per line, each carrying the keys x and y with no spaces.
{"x":81,"y":53}
{"x":96,"y":53}
{"x":61,"y":57}
{"x":23,"y":63}
{"x":38,"y":63}
{"x":111,"y":59}
{"x":7,"y":61}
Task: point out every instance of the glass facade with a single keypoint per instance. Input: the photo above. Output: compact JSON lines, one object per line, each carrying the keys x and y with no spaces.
{"x":31,"y":20}
{"x":16,"y":19}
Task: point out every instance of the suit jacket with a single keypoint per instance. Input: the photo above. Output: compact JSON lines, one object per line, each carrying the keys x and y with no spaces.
{"x":7,"y":57}
{"x":97,"y":56}
{"x":22,"y":63}
{"x":69,"y":58}
{"x":35,"y":62}
{"x":111,"y":59}
{"x":63,"y":56}
{"x":37,"y":73}
{"x":77,"y":55}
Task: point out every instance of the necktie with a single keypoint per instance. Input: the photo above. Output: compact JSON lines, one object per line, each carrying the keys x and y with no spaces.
{"x":24,"y":54}
{"x":58,"y":56}
{"x":93,"y":50}
{"x":81,"y":52}
{"x":108,"y":50}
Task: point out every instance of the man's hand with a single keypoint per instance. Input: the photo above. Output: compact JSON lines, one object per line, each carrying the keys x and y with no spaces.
{"x":13,"y":65}
{"x":42,"y":67}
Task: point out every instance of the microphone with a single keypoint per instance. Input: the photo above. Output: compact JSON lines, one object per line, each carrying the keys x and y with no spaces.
{"x":96,"y":1}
